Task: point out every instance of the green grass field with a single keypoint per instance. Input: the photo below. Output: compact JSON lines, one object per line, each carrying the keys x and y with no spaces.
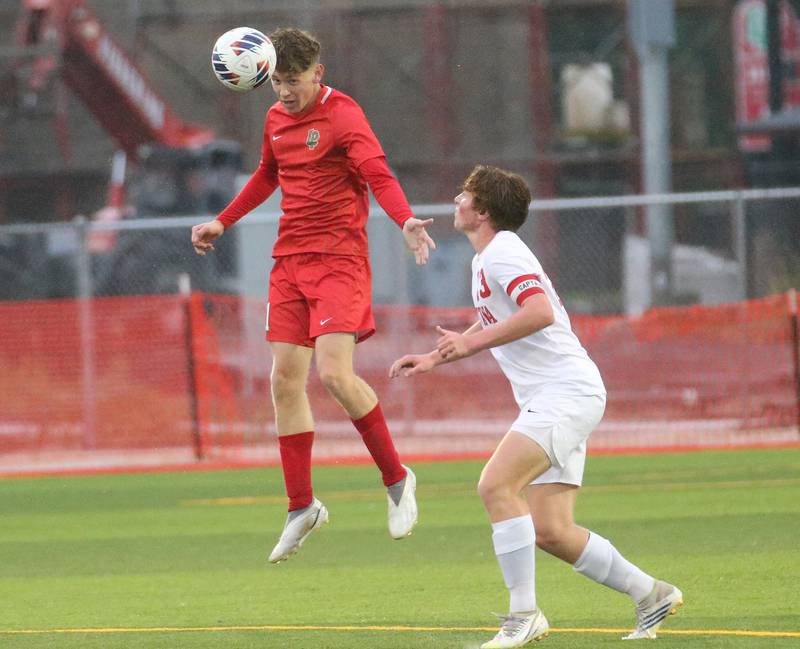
{"x":179,"y":559}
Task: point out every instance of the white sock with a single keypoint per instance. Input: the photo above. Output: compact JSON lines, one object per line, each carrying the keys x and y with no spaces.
{"x":514,"y":542}
{"x":603,"y":563}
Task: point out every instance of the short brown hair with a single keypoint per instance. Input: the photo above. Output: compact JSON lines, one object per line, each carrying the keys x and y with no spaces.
{"x":504,"y":195}
{"x":296,"y":50}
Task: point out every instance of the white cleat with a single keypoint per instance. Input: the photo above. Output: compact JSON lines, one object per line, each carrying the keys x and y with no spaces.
{"x":403,"y":515}
{"x":297,"y":530}
{"x":519,"y":629}
{"x":662,"y":601}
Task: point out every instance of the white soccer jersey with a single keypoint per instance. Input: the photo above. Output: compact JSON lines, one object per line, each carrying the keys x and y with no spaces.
{"x":551,"y":361}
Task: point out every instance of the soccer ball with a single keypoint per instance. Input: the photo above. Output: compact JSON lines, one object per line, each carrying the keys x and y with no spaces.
{"x":243,"y":58}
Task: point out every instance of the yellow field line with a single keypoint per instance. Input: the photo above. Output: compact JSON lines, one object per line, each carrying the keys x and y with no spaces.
{"x":451,"y":489}
{"x":426,"y":629}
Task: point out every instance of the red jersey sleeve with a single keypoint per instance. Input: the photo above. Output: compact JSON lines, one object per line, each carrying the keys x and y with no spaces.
{"x":354,"y":134}
{"x":386,"y":189}
{"x":258,"y":189}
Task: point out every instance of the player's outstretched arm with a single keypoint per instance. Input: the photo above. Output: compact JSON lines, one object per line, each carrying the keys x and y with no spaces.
{"x":390,"y":197}
{"x":418,"y":240}
{"x":411,"y":364}
{"x":535,"y":314}
{"x":204,"y":234}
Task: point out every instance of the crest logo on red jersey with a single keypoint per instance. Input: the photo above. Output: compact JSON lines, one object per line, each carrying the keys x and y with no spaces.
{"x":312,"y":139}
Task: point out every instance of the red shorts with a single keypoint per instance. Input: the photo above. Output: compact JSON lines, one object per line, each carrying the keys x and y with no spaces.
{"x":311,"y":294}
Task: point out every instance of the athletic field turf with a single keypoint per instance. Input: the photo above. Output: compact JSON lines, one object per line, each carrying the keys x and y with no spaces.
{"x":178,"y":560}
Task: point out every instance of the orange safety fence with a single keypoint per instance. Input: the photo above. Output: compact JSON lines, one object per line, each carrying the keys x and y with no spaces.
{"x":166,"y":379}
{"x":109,"y":373}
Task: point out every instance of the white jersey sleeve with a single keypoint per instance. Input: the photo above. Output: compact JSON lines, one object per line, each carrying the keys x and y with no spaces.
{"x":551,"y":360}
{"x":517,"y":276}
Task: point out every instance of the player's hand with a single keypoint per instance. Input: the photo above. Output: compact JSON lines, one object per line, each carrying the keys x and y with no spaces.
{"x":204,"y":234}
{"x":412,"y":364}
{"x":418,"y":240}
{"x":452,"y":345}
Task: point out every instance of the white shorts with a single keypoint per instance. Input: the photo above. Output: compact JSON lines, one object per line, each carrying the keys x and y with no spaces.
{"x":561,"y":425}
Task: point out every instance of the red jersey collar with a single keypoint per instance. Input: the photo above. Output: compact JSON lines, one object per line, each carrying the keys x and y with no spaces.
{"x":322,"y":96}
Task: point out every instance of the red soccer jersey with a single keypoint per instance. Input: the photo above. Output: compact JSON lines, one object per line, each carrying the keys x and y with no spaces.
{"x":315,"y":157}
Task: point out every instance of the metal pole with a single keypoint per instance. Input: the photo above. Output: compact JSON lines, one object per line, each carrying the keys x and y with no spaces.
{"x":185,"y":289}
{"x":657,"y":167}
{"x":86,"y":329}
{"x":740,"y":245}
{"x":651,"y":26}
{"x":544,"y":229}
{"x":401,"y":327}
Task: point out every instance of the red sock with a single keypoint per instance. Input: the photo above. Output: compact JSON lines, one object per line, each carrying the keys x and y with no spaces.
{"x":296,"y":460}
{"x":375,"y":434}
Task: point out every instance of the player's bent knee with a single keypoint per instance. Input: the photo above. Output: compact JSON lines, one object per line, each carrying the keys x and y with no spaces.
{"x":336,"y":382}
{"x":493,"y":491}
{"x":551,"y":536}
{"x":548,"y":538}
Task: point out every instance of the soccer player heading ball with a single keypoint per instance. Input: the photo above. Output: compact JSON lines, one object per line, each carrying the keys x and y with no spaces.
{"x":319,"y":147}
{"x":530,"y":483}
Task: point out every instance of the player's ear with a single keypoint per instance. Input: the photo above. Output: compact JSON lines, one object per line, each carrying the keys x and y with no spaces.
{"x":318,"y":72}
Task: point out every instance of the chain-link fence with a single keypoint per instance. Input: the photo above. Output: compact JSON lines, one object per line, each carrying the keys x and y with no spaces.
{"x":725,"y":246}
